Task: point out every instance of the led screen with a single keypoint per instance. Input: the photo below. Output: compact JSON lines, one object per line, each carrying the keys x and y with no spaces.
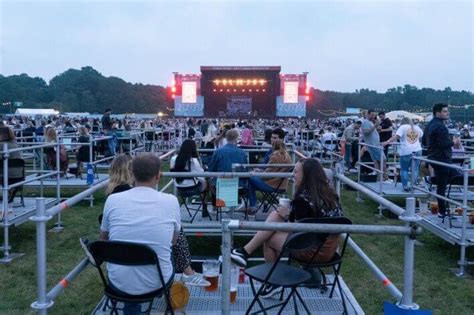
{"x":189,"y":92}
{"x":291,"y":92}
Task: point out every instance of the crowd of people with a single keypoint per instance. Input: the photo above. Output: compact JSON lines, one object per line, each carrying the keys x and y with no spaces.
{"x":136,"y":212}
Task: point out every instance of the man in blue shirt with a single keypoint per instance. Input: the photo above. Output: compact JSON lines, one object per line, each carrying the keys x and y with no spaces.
{"x":223,"y":158}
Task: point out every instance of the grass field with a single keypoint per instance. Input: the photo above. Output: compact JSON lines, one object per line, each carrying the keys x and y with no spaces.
{"x":436,"y":288}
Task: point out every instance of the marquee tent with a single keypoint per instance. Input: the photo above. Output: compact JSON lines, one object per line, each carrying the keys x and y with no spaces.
{"x":36,"y":112}
{"x":399,"y":114}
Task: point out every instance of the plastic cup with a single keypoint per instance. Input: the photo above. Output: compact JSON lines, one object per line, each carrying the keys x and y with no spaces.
{"x":284,"y":202}
{"x":234,"y":282}
{"x":210,"y":270}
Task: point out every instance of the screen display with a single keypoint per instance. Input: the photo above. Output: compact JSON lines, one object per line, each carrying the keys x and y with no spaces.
{"x":189,"y":92}
{"x":290,"y":95}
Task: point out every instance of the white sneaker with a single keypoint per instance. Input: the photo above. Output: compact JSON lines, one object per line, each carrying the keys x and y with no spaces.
{"x":195,"y":280}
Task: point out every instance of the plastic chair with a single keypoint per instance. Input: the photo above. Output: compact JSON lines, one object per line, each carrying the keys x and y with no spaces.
{"x":14,"y":163}
{"x":128,"y":254}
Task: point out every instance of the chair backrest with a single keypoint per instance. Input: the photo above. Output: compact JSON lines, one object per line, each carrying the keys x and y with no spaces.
{"x":123,"y":253}
{"x":305,"y":240}
{"x":13,"y":163}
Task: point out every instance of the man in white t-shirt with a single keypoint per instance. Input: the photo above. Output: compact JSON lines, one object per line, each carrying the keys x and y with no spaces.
{"x":142,"y":215}
{"x":409,"y":135}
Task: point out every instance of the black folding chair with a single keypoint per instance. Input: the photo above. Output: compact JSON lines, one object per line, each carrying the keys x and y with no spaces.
{"x":14,"y":163}
{"x":336,"y":260}
{"x":270,"y":198}
{"x":184,"y":193}
{"x":128,"y":254}
{"x":282,"y":274}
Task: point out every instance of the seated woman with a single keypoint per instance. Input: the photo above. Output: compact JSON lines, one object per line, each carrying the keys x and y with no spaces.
{"x":279,"y":156}
{"x":15,"y":174}
{"x":121,"y":180}
{"x":187,"y":160}
{"x":314,"y":198}
{"x":52,"y":136}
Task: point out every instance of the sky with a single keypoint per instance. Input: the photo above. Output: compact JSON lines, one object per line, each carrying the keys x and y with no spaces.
{"x":344,"y":45}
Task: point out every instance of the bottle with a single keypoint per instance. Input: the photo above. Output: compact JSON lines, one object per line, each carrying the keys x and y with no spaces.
{"x":90,"y":174}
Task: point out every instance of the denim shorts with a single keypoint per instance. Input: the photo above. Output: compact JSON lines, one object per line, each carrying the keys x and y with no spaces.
{"x":375,"y":153}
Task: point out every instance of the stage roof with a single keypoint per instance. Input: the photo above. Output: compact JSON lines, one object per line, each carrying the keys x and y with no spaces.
{"x":240,"y":68}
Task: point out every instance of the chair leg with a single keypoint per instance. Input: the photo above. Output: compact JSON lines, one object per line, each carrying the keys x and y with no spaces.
{"x":168,"y":303}
{"x":342,"y":295}
{"x":302,"y":302}
{"x":285,"y":303}
{"x":256,"y":298}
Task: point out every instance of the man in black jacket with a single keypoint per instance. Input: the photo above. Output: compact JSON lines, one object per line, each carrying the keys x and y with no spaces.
{"x":439,"y":146}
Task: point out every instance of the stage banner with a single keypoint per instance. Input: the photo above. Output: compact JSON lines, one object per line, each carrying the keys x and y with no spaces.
{"x":189,"y":109}
{"x":291,"y":110}
{"x":239,"y":105}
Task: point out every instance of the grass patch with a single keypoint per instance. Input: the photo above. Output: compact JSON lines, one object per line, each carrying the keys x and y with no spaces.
{"x":436,"y":287}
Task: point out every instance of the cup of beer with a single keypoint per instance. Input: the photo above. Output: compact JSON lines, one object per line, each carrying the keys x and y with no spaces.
{"x":434,"y":208}
{"x":234,"y":282}
{"x":210,"y":270}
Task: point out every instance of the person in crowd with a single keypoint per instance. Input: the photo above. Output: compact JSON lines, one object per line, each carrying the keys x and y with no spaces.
{"x":314,"y":197}
{"x":7,"y":136}
{"x":349,"y":136}
{"x":409,"y":135}
{"x":108,"y":129}
{"x":187,"y":160}
{"x":50,"y":152}
{"x":121,"y":180}
{"x":277,"y":133}
{"x":385,"y":130}
{"x":372,"y":138}
{"x":247,"y":135}
{"x":220,"y":140}
{"x":211,"y":133}
{"x":439,"y":148}
{"x":267,"y":138}
{"x":279,"y":156}
{"x":328,"y":138}
{"x":223,"y":158}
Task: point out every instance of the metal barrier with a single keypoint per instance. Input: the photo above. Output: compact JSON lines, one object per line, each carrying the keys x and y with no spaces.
{"x":5,"y":221}
{"x":463,"y":262}
{"x":405,"y":300}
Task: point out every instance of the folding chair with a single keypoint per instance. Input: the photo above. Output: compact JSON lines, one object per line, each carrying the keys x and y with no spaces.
{"x":270,"y":198}
{"x":128,"y":254}
{"x":184,"y":193}
{"x":336,"y":260}
{"x":282,"y":274}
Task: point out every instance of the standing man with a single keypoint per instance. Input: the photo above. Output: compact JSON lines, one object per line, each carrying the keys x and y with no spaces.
{"x":372,"y":138}
{"x":439,"y":146}
{"x":107,"y":128}
{"x":385,"y":130}
{"x":349,"y":136}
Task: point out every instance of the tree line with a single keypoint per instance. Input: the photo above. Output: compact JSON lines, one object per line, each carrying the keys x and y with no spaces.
{"x":87,"y":90}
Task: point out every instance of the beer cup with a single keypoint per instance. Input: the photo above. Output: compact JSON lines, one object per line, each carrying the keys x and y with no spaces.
{"x":210,"y":269}
{"x":234,"y":282}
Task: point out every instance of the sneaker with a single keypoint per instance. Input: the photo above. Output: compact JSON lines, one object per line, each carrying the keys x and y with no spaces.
{"x":353,"y":170}
{"x":195,"y":280}
{"x":406,"y":189}
{"x":239,"y":256}
{"x":269,"y":291}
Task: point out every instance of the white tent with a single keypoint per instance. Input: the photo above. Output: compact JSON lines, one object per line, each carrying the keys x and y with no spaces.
{"x":36,"y":112}
{"x":400,"y":114}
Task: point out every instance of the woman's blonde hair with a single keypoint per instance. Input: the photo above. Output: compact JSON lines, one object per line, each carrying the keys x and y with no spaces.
{"x":119,"y":173}
{"x":51,"y":135}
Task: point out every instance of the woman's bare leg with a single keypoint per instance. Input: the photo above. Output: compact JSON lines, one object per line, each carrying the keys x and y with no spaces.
{"x":262,"y":236}
{"x":273,"y":246}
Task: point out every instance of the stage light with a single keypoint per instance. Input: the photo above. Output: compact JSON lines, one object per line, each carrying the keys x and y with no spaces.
{"x":307,"y":90}
{"x":173,"y":89}
{"x":243,"y":90}
{"x":263,"y":90}
{"x":235,"y":90}
{"x":214,"y":90}
{"x":173,"y":96}
{"x":262,"y":82}
{"x":228,"y":90}
{"x":240,"y":82}
{"x":307,"y":97}
{"x":250,"y":90}
{"x":254,"y":82}
{"x":220,"y":90}
{"x":248,"y":82}
{"x":216,"y":82}
{"x":231,"y":82}
{"x":257,"y":90}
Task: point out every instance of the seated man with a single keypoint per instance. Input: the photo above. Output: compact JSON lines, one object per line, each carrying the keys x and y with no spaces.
{"x":223,"y":158}
{"x":142,"y":215}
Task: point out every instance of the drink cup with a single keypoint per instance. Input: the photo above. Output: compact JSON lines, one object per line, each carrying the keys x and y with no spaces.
{"x":423,"y":206}
{"x":210,"y":269}
{"x":284,"y":202}
{"x":434,"y":208}
{"x":234,"y":282}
